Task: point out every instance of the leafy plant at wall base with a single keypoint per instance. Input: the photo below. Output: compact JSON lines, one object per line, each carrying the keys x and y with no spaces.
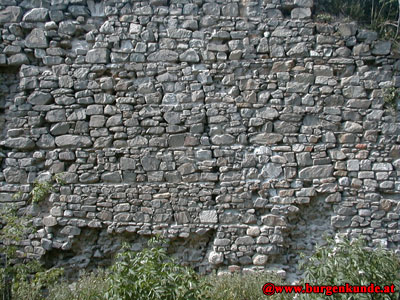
{"x":20,"y":276}
{"x":239,"y":286}
{"x":325,"y":18}
{"x":342,"y":261}
{"x":151,"y":274}
{"x":390,"y":97}
{"x":89,"y":286}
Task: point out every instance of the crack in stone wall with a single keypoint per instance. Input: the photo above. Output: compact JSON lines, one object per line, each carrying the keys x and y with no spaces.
{"x":225,"y":126}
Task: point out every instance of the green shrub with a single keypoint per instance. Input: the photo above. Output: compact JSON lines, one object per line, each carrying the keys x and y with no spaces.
{"x":390,"y":97}
{"x":20,"y":277}
{"x":238,"y":286}
{"x":151,"y":274}
{"x":343,"y":262}
{"x":89,"y":286}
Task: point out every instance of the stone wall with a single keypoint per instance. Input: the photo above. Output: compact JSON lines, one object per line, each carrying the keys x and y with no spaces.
{"x":241,"y":130}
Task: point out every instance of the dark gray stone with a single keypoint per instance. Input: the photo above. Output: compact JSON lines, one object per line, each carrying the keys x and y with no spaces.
{"x":40,"y":98}
{"x":18,"y":59}
{"x":223,"y":139}
{"x":150,"y":163}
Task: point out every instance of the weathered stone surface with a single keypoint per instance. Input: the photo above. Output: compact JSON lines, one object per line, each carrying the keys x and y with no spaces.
{"x":98,"y":56}
{"x":14,"y":175}
{"x":382,"y":48}
{"x":223,"y":139}
{"x":11,"y":14}
{"x":49,"y":221}
{"x":150,"y":163}
{"x":36,"y":39}
{"x":46,"y":141}
{"x":40,"y":98}
{"x":216,"y":258}
{"x":18,"y":59}
{"x":340,"y":221}
{"x":227,"y":126}
{"x":73,"y":141}
{"x":260,"y":259}
{"x":36,"y":15}
{"x":163,"y":55}
{"x":189,"y":55}
{"x":20,"y":143}
{"x":208,"y":216}
{"x":111,"y":177}
{"x":273,"y":220}
{"x":127,"y":163}
{"x":266,"y":138}
{"x":267,"y":113}
{"x":272,"y":170}
{"x":321,"y":171}
{"x":55,"y":116}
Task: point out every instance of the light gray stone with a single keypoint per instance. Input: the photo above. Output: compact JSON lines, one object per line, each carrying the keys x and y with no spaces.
{"x":111,"y":177}
{"x":163,"y":56}
{"x":352,"y":127}
{"x":73,"y":141}
{"x":36,"y":39}
{"x":266,"y":138}
{"x":215,"y":258}
{"x":49,"y":221}
{"x":187,"y":168}
{"x":98,"y":56}
{"x":20,"y":143}
{"x":321,"y":171}
{"x":382,"y":167}
{"x":208,"y":216}
{"x":267,"y":113}
{"x":11,"y":14}
{"x":300,"y":49}
{"x":189,"y":55}
{"x":46,"y":141}
{"x":272,"y":170}
{"x":14,"y":175}
{"x":55,"y":116}
{"x":273,"y":220}
{"x":260,"y":259}
{"x":354,"y":92}
{"x":223,"y":139}
{"x":36,"y":15}
{"x":127,"y":163}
